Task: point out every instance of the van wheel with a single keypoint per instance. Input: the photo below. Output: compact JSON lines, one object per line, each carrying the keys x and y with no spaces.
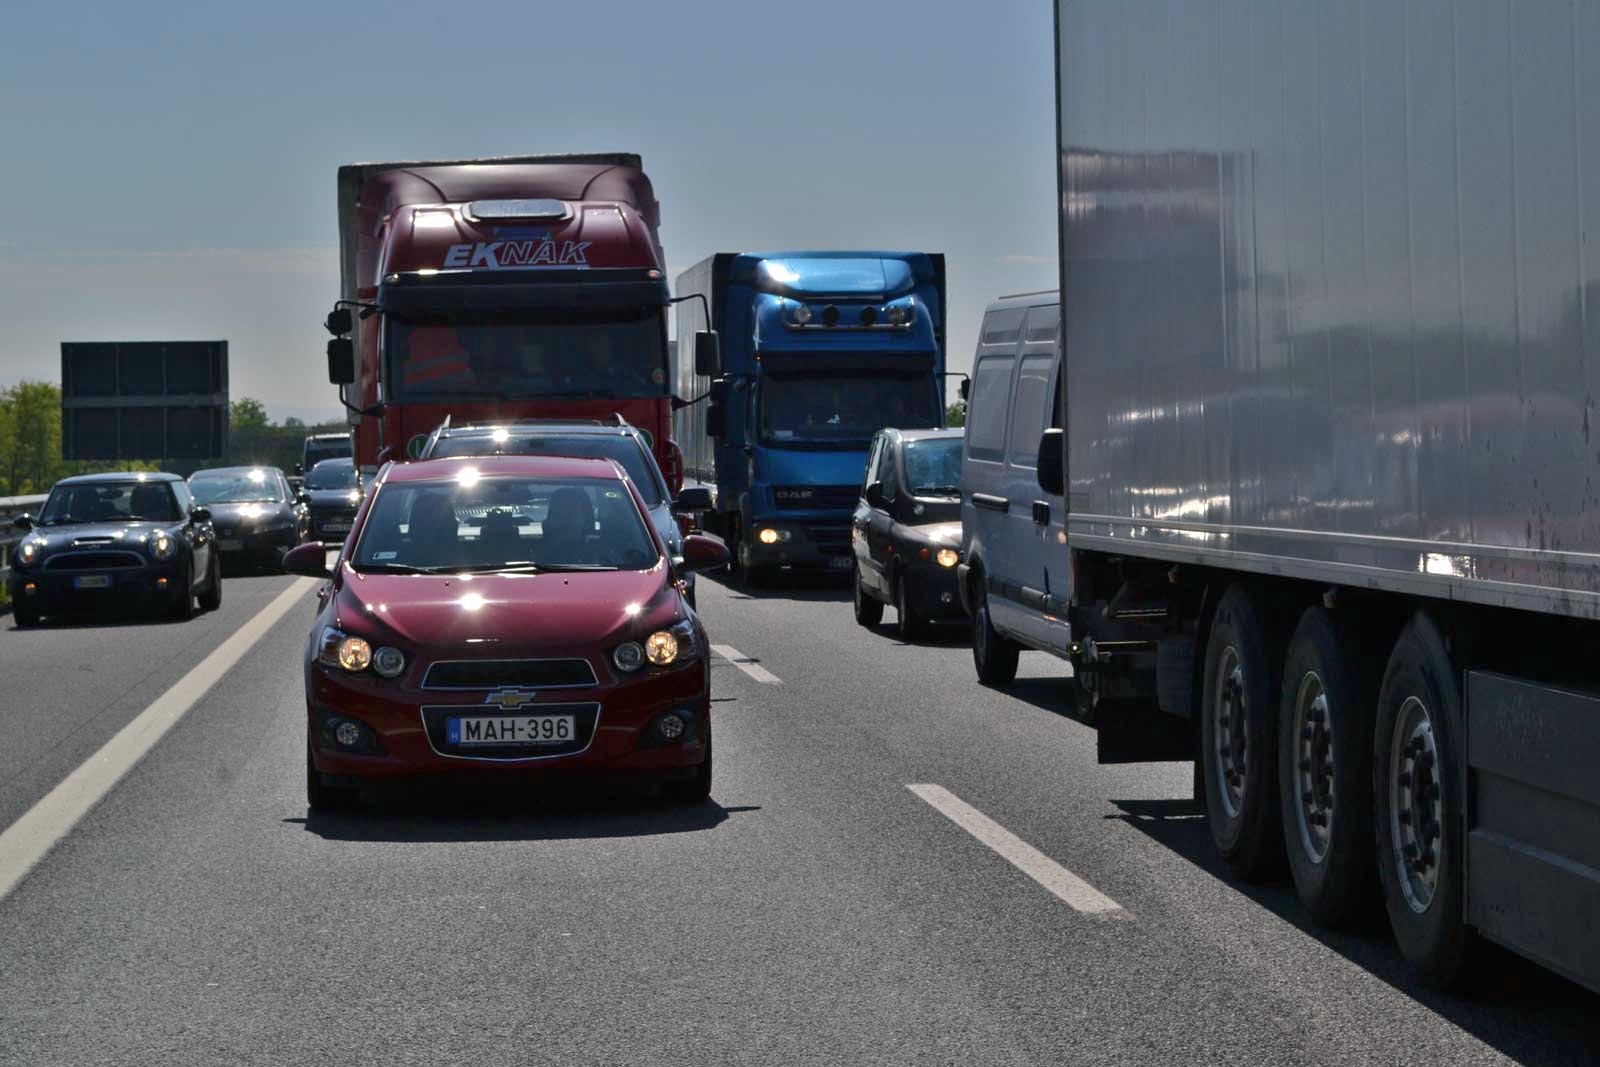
{"x":907,"y":625}
{"x":1324,"y":766}
{"x":869,"y":611}
{"x":994,"y":655}
{"x":1238,"y":734}
{"x":1418,"y":805}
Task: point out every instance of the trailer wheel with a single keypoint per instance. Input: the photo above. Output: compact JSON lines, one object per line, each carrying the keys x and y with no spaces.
{"x":1418,"y":809}
{"x":1324,"y":770}
{"x":1238,"y":732}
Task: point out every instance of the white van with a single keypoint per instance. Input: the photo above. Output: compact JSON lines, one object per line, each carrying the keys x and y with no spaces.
{"x":1013,"y":576}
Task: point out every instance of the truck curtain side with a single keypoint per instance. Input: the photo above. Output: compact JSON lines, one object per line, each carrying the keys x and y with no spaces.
{"x":1332,"y":488}
{"x":819,"y":350}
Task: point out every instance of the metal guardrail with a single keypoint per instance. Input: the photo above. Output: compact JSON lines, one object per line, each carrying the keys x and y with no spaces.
{"x":10,"y":508}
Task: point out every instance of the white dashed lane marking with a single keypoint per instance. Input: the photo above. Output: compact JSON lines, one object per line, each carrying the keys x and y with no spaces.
{"x":1077,"y":893}
{"x":746,"y":664}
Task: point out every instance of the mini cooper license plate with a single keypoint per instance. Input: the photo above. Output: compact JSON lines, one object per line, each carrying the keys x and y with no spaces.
{"x":92,"y":581}
{"x":511,"y":730}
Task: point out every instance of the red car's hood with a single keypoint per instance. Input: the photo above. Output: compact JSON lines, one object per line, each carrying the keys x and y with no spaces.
{"x":497,"y":613}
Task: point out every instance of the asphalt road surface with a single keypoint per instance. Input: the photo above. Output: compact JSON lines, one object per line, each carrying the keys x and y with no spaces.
{"x":898,"y":866}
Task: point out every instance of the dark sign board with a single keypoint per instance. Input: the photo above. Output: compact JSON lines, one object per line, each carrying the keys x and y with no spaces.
{"x":144,"y":399}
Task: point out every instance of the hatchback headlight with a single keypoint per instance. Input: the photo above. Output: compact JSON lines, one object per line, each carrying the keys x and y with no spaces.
{"x":675,"y":644}
{"x":339,"y":649}
{"x":30,"y":551}
{"x":163,"y":547}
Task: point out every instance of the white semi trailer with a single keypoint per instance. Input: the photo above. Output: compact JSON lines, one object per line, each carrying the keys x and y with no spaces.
{"x":1331,"y":450}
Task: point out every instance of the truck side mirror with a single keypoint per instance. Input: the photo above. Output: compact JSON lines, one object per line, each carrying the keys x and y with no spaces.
{"x":874,"y":494}
{"x":716,"y":417}
{"x":341,"y":361}
{"x":966,"y":389}
{"x":339,"y":322}
{"x":1049,"y":463}
{"x":707,"y":354}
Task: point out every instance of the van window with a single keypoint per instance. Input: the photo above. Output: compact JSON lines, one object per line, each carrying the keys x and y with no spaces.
{"x":1042,"y":324}
{"x":1027,"y":419}
{"x":986,"y":411}
{"x":1003,"y":327}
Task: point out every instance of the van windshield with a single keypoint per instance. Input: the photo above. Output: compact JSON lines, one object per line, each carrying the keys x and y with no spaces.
{"x":843,"y":409}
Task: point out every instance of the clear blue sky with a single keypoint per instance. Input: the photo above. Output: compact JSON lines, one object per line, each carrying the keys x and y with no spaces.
{"x":169,"y":168}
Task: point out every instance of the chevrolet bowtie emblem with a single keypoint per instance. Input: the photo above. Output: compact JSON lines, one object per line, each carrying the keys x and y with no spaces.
{"x":510,"y":698}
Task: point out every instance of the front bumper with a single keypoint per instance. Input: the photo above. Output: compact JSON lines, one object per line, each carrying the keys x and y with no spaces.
{"x":260,"y":544}
{"x":813,"y":544}
{"x":331,"y":526}
{"x":619,"y":739}
{"x":57,"y":592}
{"x":934,"y":591}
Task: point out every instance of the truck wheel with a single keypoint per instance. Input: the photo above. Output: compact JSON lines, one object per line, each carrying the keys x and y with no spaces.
{"x":994,"y":655}
{"x":907,"y":626}
{"x":1324,"y":769}
{"x":211,"y":599}
{"x":754,"y":575}
{"x":1238,"y":734}
{"x":869,"y":611}
{"x":1418,"y":809}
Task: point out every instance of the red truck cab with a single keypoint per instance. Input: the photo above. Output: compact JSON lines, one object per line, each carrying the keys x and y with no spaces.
{"x":491,"y":290}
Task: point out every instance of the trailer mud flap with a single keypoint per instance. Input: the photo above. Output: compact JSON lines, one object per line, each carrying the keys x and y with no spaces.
{"x":1533,"y":842}
{"x":1141,"y":733}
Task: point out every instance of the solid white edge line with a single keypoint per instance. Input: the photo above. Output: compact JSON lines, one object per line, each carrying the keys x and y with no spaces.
{"x":28,"y":840}
{"x":1077,"y":893}
{"x":746,"y":664}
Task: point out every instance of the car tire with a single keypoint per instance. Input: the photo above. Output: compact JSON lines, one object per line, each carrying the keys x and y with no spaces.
{"x":26,"y":618}
{"x":993,"y":654}
{"x":1414,"y":762}
{"x":1238,"y":735}
{"x":1330,"y":691}
{"x":695,"y":790}
{"x":907,"y":626}
{"x":321,"y":797}
{"x":211,"y":599}
{"x":183,"y":607}
{"x":869,"y":610}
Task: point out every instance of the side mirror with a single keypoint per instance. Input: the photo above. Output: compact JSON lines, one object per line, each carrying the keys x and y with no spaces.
{"x":302,"y":497}
{"x":707,"y":354}
{"x":199,"y":514}
{"x":703,"y":552}
{"x":716,"y":419}
{"x":23,"y":522}
{"x":299,"y":469}
{"x":695,"y":498}
{"x":309,"y":559}
{"x":874,"y":494}
{"x":966,"y":389}
{"x":341,"y":361}
{"x":1051,"y":476}
{"x":339,"y":322}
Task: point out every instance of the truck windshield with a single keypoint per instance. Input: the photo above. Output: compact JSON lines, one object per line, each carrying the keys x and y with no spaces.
{"x":504,"y":524}
{"x":317,"y":451}
{"x":843,"y":408}
{"x":933,"y":467}
{"x":613,"y":353}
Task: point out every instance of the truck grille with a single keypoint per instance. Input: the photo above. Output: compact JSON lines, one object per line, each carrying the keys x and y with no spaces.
{"x":93,"y":561}
{"x":830,"y":540}
{"x":815,"y":497}
{"x":500,"y":673}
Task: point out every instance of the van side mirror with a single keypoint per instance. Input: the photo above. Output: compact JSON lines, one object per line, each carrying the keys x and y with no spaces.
{"x":874,"y":494}
{"x":23,"y":522}
{"x":341,"y":361}
{"x":707,"y":354}
{"x":1052,"y":478}
{"x":339,"y":322}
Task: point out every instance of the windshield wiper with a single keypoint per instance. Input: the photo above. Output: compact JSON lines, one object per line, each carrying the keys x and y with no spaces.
{"x":497,"y":568}
{"x":557,"y":567}
{"x":399,"y":568}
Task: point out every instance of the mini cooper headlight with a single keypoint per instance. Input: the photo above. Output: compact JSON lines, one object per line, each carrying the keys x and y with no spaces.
{"x":628,"y":657}
{"x":388,"y":662}
{"x":948,"y":557}
{"x":30,"y":551}
{"x":162,"y":547}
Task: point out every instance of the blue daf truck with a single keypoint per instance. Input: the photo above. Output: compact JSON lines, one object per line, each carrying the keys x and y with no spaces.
{"x":816,"y":352}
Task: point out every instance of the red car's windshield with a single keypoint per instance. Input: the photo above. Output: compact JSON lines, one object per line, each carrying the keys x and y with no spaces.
{"x":505,"y":523}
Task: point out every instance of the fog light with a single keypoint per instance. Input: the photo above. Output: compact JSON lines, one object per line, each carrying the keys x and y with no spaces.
{"x":30,"y":587}
{"x":768,"y":536}
{"x":948,"y":557}
{"x":670,"y":727}
{"x":347,"y":734}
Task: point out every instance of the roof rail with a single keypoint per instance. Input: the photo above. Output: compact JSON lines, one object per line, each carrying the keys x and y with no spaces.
{"x":1036,"y":292}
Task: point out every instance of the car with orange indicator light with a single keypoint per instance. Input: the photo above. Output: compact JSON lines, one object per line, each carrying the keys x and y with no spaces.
{"x":500,"y":618}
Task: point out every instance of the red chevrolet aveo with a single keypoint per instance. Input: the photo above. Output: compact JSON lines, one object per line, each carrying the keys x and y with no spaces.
{"x":505,"y":616}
